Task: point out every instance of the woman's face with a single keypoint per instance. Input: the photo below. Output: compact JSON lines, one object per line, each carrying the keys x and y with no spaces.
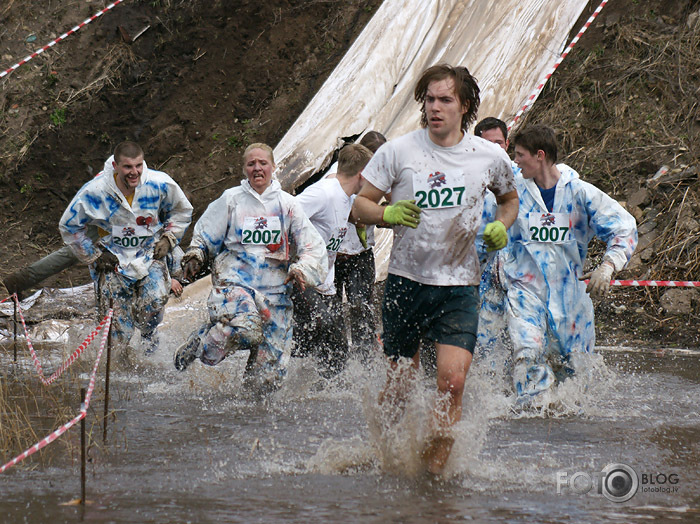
{"x":258,"y":168}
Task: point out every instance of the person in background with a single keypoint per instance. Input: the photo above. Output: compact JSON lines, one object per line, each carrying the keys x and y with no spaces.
{"x":318,"y":316}
{"x":492,"y":324}
{"x":355,"y":274}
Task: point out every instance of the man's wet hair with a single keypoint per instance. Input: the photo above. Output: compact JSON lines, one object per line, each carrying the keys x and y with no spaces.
{"x":127,"y":149}
{"x":352,"y":159}
{"x":491,"y":122}
{"x":372,"y":140}
{"x":536,"y":137}
{"x":465,"y":86}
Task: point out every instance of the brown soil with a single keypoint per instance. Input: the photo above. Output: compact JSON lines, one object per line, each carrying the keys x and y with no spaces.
{"x":208,"y":77}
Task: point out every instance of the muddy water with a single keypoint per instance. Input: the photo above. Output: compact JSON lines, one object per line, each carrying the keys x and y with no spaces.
{"x":194,"y":447}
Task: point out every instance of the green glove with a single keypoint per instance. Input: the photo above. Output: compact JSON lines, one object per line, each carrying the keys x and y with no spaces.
{"x":403,"y":213}
{"x":495,"y":235}
{"x":362,"y":235}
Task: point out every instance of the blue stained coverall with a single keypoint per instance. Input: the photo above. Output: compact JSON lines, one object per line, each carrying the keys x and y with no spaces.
{"x":140,"y":285}
{"x":548,"y":309}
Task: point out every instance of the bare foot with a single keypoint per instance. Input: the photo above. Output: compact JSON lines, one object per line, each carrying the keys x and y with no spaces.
{"x":436,"y":453}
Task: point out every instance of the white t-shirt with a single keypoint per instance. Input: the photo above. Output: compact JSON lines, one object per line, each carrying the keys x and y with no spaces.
{"x":449,"y":183}
{"x":328,"y":208}
{"x":351,"y":244}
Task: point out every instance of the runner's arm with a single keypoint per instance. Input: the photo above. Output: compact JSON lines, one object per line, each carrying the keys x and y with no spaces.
{"x":507,"y":210}
{"x":366,"y":208}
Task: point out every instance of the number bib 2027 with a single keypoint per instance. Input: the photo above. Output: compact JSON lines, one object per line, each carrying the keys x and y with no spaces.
{"x":261,"y":230}
{"x":337,"y":239}
{"x":549,"y":227}
{"x":130,"y":236}
{"x":438,"y":190}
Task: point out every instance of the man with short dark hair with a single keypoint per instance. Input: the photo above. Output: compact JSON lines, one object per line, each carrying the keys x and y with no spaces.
{"x":437,"y":176}
{"x":492,"y":330}
{"x":144,"y":214}
{"x":494,"y":130}
{"x":319,"y":326}
{"x":549,"y":311}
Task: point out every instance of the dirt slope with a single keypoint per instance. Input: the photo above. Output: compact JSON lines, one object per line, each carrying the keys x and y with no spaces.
{"x":207,"y":77}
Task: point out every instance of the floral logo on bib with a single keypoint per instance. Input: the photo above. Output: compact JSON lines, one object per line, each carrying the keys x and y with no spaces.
{"x":437,"y":179}
{"x":128,"y":232}
{"x":260,"y":223}
{"x":547,"y":219}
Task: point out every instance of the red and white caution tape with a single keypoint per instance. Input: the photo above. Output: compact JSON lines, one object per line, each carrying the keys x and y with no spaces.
{"x":62,"y":37}
{"x":531,"y":99}
{"x":65,"y":365}
{"x":654,"y":283}
{"x":83,"y":408}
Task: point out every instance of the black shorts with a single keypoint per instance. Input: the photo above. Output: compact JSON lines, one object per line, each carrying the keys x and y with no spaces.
{"x":444,"y":314}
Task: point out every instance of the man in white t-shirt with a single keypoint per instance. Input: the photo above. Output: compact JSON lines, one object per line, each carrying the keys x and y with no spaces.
{"x":437,"y":177}
{"x":318,"y":321}
{"x":355,"y":274}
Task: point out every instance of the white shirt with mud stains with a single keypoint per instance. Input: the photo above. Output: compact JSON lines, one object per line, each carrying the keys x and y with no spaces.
{"x":449,"y":184}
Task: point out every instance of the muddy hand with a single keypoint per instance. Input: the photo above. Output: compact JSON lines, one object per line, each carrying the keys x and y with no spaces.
{"x":298,"y":277}
{"x":191,"y":268}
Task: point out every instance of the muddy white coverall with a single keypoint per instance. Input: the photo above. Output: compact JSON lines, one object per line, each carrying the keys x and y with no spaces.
{"x":548,"y":311}
{"x":140,"y":286}
{"x":492,"y":291}
{"x":252,"y":241}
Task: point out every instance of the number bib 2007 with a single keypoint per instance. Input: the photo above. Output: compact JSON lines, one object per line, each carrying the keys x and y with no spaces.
{"x":261,"y":230}
{"x":549,"y":227}
{"x":438,"y":190}
{"x":130,"y":236}
{"x":337,"y":239}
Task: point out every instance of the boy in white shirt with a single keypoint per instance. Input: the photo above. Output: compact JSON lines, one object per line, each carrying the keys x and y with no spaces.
{"x":318,"y":321}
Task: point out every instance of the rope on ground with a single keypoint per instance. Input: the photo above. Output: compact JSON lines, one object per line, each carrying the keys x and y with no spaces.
{"x":62,"y":37}
{"x":67,"y":363}
{"x":531,"y":99}
{"x":83,"y":408}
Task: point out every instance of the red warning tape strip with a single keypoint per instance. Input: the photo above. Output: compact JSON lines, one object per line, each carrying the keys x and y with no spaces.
{"x":654,"y":283}
{"x":62,"y":37}
{"x":65,"y":365}
{"x":83,"y":408}
{"x":531,"y":99}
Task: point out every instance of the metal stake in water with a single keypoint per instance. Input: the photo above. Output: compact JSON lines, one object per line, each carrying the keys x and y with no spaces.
{"x":82,"y":449}
{"x":15,"y":326}
{"x":109,"y":358}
